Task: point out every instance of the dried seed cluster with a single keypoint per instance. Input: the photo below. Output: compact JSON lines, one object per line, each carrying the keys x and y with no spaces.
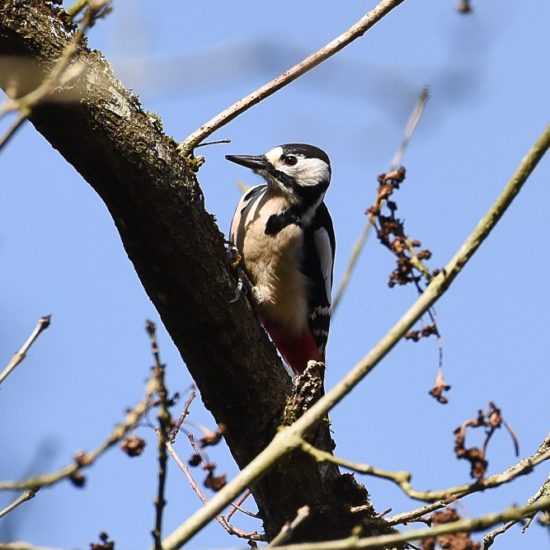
{"x":491,"y":420}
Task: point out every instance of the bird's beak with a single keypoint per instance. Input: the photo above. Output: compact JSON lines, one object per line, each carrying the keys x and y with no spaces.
{"x":253,"y":162}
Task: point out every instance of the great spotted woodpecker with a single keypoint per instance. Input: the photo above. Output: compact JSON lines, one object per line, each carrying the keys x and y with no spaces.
{"x":284,"y":233}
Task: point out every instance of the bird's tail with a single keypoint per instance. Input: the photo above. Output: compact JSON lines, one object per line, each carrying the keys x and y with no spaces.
{"x":297,"y":349}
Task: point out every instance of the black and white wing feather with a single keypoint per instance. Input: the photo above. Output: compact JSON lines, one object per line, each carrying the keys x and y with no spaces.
{"x":319,"y":252}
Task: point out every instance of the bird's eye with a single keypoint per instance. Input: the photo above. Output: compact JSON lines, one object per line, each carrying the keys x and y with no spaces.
{"x":290,"y":160}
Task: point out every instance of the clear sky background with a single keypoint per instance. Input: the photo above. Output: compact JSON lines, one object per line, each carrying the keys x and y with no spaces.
{"x":60,"y":253}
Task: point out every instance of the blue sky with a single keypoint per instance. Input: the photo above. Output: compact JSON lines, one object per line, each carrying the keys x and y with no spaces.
{"x":60,"y":253}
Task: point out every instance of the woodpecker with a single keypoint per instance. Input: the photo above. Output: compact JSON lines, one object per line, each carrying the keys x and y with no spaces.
{"x":284,"y":232}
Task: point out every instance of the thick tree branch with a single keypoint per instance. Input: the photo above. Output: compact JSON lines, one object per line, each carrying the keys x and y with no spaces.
{"x":178,"y":252}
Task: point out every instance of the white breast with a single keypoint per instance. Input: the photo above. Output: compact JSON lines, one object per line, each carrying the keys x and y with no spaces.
{"x":273,"y":264}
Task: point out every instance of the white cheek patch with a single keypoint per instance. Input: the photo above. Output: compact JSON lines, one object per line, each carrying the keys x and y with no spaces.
{"x":274,"y":155}
{"x":311,"y":171}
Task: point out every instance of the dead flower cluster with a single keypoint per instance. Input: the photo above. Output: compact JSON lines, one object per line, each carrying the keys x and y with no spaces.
{"x":491,"y":420}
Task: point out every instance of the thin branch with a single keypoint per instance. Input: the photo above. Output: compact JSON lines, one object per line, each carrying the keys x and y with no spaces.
{"x":290,"y":437}
{"x":163,"y":432}
{"x":464,"y":525}
{"x":237,"y":506}
{"x":43,"y":324}
{"x":177,"y":426}
{"x":412,"y":123}
{"x":355,"y":253}
{"x":544,"y":491}
{"x":60,"y":75}
{"x":333,"y":47}
{"x":20,"y":545}
{"x":290,"y":527}
{"x":222,"y":520}
{"x":410,"y":128}
{"x":85,"y":460}
{"x":27,"y":495}
{"x":214,"y":142}
{"x":186,"y":472}
{"x":16,"y":124}
{"x":416,"y":514}
{"x":490,"y":537}
{"x":74,"y":9}
{"x":402,"y":478}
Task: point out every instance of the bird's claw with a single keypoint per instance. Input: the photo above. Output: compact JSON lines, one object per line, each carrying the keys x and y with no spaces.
{"x":244,"y":284}
{"x":238,"y":291}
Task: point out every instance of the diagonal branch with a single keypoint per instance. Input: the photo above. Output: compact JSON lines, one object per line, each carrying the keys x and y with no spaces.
{"x":490,"y":537}
{"x":85,"y":460}
{"x":23,"y":497}
{"x":43,"y":324}
{"x":316,"y":58}
{"x":410,"y":129}
{"x":514,"y":513}
{"x":402,"y":478}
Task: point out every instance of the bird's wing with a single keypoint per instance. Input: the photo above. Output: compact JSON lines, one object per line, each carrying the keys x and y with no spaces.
{"x":319,"y":251}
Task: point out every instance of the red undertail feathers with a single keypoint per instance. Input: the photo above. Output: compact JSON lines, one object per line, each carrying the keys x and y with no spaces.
{"x":297,"y":349}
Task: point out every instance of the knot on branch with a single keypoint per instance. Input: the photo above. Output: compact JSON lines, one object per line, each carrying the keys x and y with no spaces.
{"x":307,"y":390}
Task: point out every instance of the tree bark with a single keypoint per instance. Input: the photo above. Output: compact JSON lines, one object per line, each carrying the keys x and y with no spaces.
{"x":178,"y":253}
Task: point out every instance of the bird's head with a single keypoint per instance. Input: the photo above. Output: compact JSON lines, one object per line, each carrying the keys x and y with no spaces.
{"x":298,"y":171}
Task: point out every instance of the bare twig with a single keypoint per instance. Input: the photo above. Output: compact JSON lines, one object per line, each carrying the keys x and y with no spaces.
{"x":490,"y":537}
{"x":544,"y":491}
{"x":410,"y":128}
{"x":177,"y":425}
{"x":498,"y":479}
{"x":85,"y":460}
{"x":163,"y":432}
{"x":416,"y":514}
{"x":290,"y":437}
{"x":74,"y":9}
{"x":412,"y":123}
{"x":60,"y":75}
{"x":289,"y":527}
{"x":27,"y":495}
{"x":223,"y":521}
{"x":237,"y":506}
{"x":43,"y":324}
{"x":214,"y":142}
{"x":467,"y":525}
{"x":340,"y":42}
{"x":355,"y":253}
{"x":186,"y":472}
{"x":16,"y":124}
{"x":402,"y":478}
{"x":20,"y":545}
